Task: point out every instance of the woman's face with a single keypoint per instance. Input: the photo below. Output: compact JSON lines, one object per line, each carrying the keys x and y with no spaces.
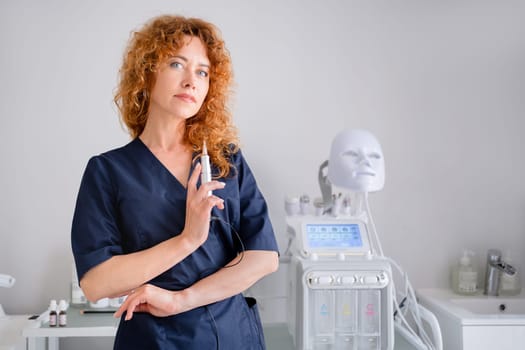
{"x":182,"y":82}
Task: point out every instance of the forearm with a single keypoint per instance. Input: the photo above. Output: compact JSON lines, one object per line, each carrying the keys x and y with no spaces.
{"x":229,"y":281}
{"x":122,"y":273}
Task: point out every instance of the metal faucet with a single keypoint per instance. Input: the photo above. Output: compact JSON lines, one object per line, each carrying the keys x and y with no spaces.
{"x":495,"y":266}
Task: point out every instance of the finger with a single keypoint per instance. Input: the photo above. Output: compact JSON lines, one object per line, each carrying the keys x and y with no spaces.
{"x":124,"y":305}
{"x":214,"y":201}
{"x":122,"y":308}
{"x":129,"y":306}
{"x":211,"y":186}
{"x":118,"y":313}
{"x":192,"y":182}
{"x":132,"y":308}
{"x":129,"y":315}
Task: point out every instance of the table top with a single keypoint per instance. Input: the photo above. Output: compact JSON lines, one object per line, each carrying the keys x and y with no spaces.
{"x":101,"y":324}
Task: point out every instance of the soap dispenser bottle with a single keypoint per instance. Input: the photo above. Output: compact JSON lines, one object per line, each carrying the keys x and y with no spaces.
{"x":465,"y":275}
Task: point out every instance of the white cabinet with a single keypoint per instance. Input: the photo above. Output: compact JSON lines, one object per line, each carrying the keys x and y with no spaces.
{"x":493,"y":337}
{"x":477,"y":322}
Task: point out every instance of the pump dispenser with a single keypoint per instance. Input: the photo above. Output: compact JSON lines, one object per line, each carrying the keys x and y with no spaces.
{"x":465,"y":275}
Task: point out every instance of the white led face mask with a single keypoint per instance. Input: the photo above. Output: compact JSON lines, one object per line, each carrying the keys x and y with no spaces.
{"x":356,"y":162}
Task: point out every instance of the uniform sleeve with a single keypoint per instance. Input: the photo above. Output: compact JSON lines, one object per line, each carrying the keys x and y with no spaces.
{"x":95,"y":236}
{"x":255,"y":226}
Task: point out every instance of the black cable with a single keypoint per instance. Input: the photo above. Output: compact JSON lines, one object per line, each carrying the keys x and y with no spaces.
{"x":216,"y":218}
{"x":401,"y":305}
{"x":238,"y":238}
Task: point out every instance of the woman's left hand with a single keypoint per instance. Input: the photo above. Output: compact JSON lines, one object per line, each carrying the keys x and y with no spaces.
{"x":149,"y":298}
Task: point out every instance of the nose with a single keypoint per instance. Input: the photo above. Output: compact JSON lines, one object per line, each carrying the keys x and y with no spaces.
{"x":363,"y":159}
{"x":188,"y":81}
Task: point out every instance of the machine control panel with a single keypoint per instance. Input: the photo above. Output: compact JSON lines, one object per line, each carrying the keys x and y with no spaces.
{"x":347,"y":279}
{"x":318,"y":237}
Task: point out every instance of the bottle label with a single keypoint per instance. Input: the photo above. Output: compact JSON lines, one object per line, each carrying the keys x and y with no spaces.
{"x":62,"y":319}
{"x":468,"y":281}
{"x":52,"y":320}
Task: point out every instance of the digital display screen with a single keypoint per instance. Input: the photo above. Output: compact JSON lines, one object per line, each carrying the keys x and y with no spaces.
{"x":334,"y":236}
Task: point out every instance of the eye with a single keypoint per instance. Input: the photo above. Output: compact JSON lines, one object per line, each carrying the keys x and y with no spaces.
{"x":176,"y":64}
{"x":350,"y":153}
{"x":374,"y":155}
{"x":203,"y":73}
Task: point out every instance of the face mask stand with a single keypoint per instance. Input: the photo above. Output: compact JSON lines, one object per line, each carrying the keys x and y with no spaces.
{"x":341,"y":290}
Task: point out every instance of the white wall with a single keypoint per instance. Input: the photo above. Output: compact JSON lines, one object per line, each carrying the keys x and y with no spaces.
{"x":440,"y":83}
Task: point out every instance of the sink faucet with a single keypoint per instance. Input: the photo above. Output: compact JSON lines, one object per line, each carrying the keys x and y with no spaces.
{"x":495,"y":266}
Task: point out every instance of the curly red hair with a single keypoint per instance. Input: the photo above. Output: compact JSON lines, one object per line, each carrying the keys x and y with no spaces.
{"x":152,"y":45}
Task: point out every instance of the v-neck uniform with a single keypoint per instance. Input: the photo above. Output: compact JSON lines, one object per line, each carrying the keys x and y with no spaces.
{"x":156,"y":162}
{"x":129,"y":201}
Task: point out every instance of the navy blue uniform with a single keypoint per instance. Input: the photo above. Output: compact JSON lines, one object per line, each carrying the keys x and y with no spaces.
{"x":128,"y":201}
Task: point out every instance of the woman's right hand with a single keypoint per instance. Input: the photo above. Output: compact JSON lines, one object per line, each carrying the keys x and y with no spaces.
{"x":198,"y":207}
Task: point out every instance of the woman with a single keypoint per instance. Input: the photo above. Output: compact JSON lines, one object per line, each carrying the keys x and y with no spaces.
{"x":144,"y":225}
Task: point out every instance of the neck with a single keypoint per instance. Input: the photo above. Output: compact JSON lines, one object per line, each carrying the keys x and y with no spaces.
{"x":164,"y":134}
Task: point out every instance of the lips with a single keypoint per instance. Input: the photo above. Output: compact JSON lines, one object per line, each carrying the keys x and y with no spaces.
{"x":186,"y":97}
{"x":363,"y":172}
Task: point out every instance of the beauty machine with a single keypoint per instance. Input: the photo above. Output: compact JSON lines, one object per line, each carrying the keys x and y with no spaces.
{"x":340,"y":293}
{"x":341,"y":289}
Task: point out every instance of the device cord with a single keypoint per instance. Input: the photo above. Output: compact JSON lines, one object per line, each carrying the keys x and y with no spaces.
{"x":410,"y":297}
{"x":410,"y":305}
{"x":243,"y":249}
{"x":241,"y":256}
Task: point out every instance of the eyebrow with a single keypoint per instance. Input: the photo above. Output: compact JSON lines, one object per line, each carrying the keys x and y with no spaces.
{"x":185,"y":59}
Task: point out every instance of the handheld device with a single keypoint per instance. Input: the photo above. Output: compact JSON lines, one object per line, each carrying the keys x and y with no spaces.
{"x":206,"y":167}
